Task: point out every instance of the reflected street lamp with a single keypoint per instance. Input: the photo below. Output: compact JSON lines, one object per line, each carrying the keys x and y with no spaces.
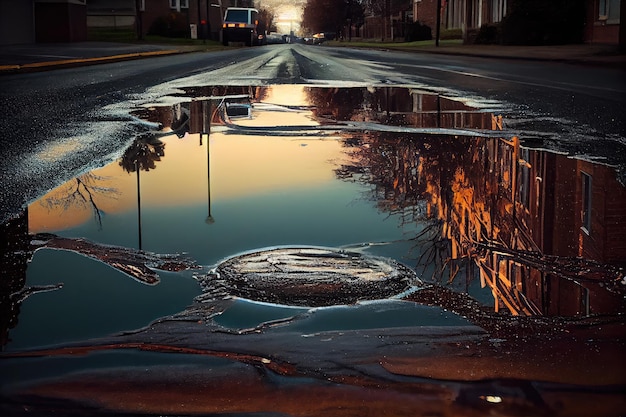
{"x":207,"y":114}
{"x":138,"y":204}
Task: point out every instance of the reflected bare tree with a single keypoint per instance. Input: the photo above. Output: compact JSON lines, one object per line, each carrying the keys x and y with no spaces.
{"x":397,"y":169}
{"x":471,"y":199}
{"x":335,"y":103}
{"x":81,"y":192}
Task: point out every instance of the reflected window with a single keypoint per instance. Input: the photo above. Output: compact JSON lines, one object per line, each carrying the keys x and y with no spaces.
{"x":609,"y":10}
{"x":524,"y":178}
{"x":586,"y":196}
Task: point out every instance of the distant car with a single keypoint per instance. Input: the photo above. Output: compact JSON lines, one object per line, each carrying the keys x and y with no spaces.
{"x":274,"y":38}
{"x":318,"y":38}
{"x":241,"y":24}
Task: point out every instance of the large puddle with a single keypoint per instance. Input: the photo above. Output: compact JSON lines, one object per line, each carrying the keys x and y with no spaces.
{"x":427,"y":182}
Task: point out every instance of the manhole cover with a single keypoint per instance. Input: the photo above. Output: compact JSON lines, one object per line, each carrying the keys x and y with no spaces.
{"x":311,"y":277}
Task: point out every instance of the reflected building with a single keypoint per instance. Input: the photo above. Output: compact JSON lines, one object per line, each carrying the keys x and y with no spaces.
{"x":398,"y":106}
{"x":544,"y":231}
{"x":565,"y":237}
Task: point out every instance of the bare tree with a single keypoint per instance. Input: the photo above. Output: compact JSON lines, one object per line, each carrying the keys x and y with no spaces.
{"x":81,"y":192}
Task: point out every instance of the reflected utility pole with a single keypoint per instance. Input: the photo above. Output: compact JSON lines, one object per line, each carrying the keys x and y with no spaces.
{"x":207,"y":115}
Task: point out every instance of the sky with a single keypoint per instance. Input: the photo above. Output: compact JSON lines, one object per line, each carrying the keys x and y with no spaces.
{"x":288,"y":13}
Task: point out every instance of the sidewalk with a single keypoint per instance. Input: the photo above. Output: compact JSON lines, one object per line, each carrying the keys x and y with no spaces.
{"x":588,"y":54}
{"x":41,"y":57}
{"x":45,"y":56}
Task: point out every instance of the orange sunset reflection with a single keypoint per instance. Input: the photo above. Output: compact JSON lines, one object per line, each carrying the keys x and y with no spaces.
{"x":240,"y":165}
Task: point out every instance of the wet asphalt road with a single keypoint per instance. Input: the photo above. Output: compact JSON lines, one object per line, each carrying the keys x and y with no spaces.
{"x":58,"y":123}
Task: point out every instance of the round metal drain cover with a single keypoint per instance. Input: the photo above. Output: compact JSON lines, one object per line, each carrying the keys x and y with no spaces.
{"x":312,"y":276}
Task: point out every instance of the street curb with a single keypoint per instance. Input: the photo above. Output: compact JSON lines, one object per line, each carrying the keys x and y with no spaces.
{"x":68,"y":63}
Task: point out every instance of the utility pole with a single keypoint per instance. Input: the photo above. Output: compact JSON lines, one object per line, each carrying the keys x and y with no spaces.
{"x":200,"y":23}
{"x":208,"y":19}
{"x":138,"y":19}
{"x":438,"y":24}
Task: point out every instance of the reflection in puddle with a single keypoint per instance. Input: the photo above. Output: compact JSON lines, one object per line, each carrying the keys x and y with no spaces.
{"x":539,"y":226}
{"x":541,"y":232}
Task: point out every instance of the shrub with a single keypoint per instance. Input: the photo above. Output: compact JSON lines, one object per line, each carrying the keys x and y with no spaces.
{"x":417,"y":32}
{"x":456,"y":33}
{"x":173,"y":25}
{"x":488,"y":34}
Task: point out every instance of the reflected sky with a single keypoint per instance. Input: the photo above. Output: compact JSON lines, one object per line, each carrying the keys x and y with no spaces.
{"x":264,"y":192}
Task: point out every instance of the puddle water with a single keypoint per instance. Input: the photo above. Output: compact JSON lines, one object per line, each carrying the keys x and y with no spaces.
{"x":94,"y":300}
{"x":245,"y":314}
{"x":426,"y":181}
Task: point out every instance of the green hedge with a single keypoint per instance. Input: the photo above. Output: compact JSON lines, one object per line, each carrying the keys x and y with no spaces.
{"x":451,"y":34}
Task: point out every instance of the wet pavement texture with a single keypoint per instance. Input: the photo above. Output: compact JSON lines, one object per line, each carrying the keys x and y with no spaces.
{"x":449,"y":267}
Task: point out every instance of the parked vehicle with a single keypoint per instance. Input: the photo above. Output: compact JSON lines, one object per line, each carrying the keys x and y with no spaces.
{"x":241,"y":24}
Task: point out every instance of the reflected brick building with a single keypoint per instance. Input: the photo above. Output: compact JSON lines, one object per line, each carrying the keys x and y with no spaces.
{"x":545,"y":231}
{"x":540,"y":227}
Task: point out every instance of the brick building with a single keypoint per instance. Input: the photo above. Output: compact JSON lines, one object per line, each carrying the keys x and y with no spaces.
{"x":467,"y":15}
{"x":28,"y":21}
{"x":205,"y":15}
{"x":603,"y":22}
{"x":179,"y":15}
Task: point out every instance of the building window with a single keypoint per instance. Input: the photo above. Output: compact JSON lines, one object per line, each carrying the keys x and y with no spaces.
{"x":586,"y":209}
{"x":609,"y":10}
{"x":142,"y":5}
{"x":179,"y":4}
